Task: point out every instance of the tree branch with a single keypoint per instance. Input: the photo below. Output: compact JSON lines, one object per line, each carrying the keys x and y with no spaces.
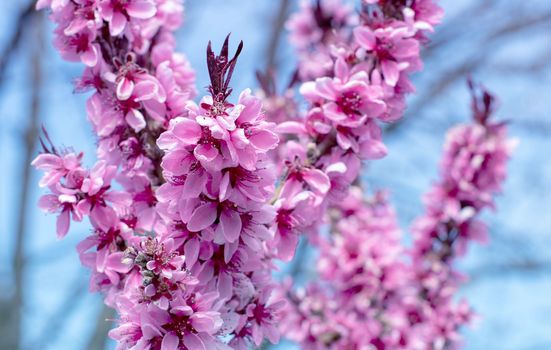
{"x":522,"y":266}
{"x":275,"y":36}
{"x":20,"y":26}
{"x":29,"y":141}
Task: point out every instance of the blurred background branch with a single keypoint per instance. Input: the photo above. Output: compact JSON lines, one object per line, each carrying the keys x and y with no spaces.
{"x":276,"y":33}
{"x":13,"y":324}
{"x":21,"y":25}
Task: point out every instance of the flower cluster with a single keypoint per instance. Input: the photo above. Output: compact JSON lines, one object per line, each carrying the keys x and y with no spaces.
{"x":313,"y":30}
{"x":473,"y":168}
{"x":187,"y":211}
{"x":370,"y":295}
{"x":181,"y":250}
{"x":363,"y":80}
{"x":216,"y":199}
{"x":138,"y":82}
{"x":75,"y":193}
{"x":361,"y":276}
{"x":138,"y":85}
{"x":472,"y":171}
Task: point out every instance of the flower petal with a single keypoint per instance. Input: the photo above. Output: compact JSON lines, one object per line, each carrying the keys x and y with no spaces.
{"x":231,"y":224}
{"x":117,"y":24}
{"x":317,"y":179}
{"x":205,"y":152}
{"x":264,"y":140}
{"x":390,"y":71}
{"x":170,"y":342}
{"x":135,"y":119}
{"x":202,"y":217}
{"x":63,"y":222}
{"x":142,"y":9}
{"x":187,"y":130}
{"x":191,"y":341}
{"x":365,"y":37}
{"x":191,"y":252}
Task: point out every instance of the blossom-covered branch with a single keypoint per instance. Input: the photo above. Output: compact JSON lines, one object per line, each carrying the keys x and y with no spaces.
{"x":472,"y":171}
{"x":216,"y":203}
{"x":370,"y":295}
{"x":191,"y":203}
{"x":355,"y":70}
{"x":181,"y":251}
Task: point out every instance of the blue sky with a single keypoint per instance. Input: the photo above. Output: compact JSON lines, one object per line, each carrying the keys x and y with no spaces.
{"x":514,"y":306}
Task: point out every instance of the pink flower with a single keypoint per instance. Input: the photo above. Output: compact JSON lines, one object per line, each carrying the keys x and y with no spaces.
{"x":119,"y":12}
{"x":56,"y":167}
{"x":314,"y":179}
{"x":80,"y":193}
{"x":186,"y":322}
{"x":314,"y":30}
{"x":347,"y":99}
{"x":238,"y":130}
{"x":78,"y":47}
{"x":255,"y":184}
{"x":263,"y":316}
{"x":295,"y":212}
{"x":394,"y":47}
{"x":314,"y":23}
{"x":85,"y":14}
{"x":130,"y":76}
{"x":177,"y":78}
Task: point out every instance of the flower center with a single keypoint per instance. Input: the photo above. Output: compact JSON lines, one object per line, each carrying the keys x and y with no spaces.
{"x":350,"y":103}
{"x":79,"y":42}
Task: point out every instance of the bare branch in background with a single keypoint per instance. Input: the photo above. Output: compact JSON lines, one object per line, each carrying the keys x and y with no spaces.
{"x":275,"y":35}
{"x":103,"y":325}
{"x":536,"y":66}
{"x":523,"y":266}
{"x":13,"y":327}
{"x":20,"y":25}
{"x":447,"y":31}
{"x":472,"y":63}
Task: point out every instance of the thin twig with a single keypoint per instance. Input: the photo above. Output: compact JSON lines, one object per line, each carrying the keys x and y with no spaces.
{"x":31,"y":134}
{"x":496,"y":270}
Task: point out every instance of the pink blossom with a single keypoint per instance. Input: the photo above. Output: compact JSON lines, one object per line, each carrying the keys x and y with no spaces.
{"x":119,"y":12}
{"x":347,"y":99}
{"x":394,"y":48}
{"x":78,"y":47}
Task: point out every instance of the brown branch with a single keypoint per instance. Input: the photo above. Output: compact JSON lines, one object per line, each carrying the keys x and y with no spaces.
{"x":30,"y":137}
{"x":275,"y":36}
{"x":13,"y":43}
